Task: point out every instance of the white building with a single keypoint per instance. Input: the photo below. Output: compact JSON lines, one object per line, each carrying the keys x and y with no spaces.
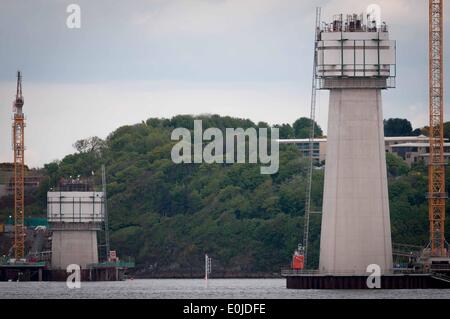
{"x":417,"y":152}
{"x":411,"y":149}
{"x":319,"y":147}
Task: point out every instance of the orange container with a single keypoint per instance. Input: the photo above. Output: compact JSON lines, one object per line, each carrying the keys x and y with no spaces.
{"x":298,"y":262}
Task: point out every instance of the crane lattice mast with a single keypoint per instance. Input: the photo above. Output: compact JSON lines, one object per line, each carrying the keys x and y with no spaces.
{"x":19,"y":170}
{"x":436,"y":184}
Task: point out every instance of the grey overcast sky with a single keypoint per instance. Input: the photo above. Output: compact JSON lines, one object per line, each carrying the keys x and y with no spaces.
{"x":136,"y":59}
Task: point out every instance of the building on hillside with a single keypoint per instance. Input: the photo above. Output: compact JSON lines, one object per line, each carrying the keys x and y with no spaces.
{"x":319,"y":147}
{"x":32,"y":179}
{"x":393,"y":141}
{"x":417,"y":152}
{"x":411,"y":149}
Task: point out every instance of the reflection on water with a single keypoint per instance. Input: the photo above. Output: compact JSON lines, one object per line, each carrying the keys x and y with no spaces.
{"x":196,"y":289}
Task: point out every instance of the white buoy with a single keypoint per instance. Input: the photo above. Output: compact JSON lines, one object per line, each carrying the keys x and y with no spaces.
{"x":207,"y":268}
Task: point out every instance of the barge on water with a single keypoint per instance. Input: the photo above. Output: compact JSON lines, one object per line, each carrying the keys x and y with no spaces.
{"x":315,"y":280}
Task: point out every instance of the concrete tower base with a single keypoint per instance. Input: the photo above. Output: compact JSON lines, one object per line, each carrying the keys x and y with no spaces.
{"x":74,"y":244}
{"x":356,"y":228}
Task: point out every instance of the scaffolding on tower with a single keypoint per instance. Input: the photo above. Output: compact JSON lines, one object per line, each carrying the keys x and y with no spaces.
{"x":304,"y":248}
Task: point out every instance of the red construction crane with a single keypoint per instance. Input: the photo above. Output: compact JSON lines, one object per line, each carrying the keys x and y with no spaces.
{"x":436,"y":171}
{"x":19,"y":169}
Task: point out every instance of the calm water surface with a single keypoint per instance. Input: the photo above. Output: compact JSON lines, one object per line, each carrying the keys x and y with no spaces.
{"x":196,"y":289}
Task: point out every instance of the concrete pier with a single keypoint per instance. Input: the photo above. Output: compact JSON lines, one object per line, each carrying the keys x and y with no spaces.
{"x":74,"y":217}
{"x":74,"y":243}
{"x":356,"y":60}
{"x":356,"y":228}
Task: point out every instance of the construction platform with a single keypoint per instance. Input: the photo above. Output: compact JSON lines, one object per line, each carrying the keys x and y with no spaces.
{"x":39,"y":271}
{"x":109,"y":271}
{"x":23,"y":271}
{"x":296,"y":280}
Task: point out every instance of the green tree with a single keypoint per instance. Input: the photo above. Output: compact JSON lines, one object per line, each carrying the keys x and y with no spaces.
{"x":397,"y":127}
{"x":396,"y":165}
{"x":286,"y":131}
{"x":302,"y":128}
{"x":447,"y":130}
{"x":92,"y":144}
{"x":167,"y":216}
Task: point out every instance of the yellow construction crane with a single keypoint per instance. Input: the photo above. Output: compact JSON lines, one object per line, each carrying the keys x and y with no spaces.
{"x":19,"y":170}
{"x":436,"y":173}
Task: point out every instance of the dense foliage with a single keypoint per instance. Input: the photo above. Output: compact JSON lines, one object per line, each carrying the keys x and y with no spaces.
{"x":397,"y":127}
{"x":300,"y":129}
{"x":167,"y":216}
